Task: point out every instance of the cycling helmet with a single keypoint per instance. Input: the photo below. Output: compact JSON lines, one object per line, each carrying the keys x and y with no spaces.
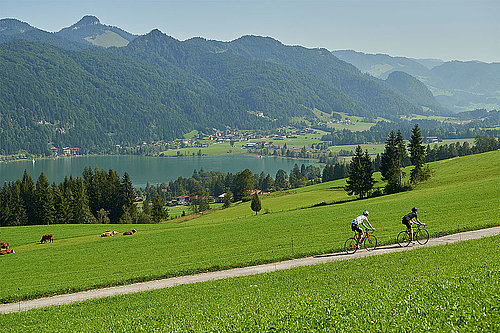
{"x":414,"y":209}
{"x":365,"y":212}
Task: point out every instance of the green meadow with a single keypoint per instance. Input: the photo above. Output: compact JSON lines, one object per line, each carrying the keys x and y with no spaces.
{"x":463,"y":194}
{"x":450,"y":288}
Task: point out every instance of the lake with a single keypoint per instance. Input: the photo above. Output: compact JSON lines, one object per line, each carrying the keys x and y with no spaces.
{"x":143,"y":169}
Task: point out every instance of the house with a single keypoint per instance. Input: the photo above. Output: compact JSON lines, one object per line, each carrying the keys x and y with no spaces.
{"x":220,"y":198}
{"x":182,"y":200}
{"x":431,"y":139}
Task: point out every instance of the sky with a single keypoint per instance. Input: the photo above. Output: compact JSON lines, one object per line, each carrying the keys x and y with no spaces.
{"x":442,"y":29}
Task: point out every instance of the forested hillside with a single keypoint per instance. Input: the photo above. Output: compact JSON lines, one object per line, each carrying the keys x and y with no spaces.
{"x":371,"y":97}
{"x":158,"y":88}
{"x":11,"y":29}
{"x":414,"y":90}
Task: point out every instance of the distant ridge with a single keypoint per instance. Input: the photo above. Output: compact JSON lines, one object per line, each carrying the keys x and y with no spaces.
{"x":456,"y":85}
{"x":90,"y":30}
{"x":11,"y":29}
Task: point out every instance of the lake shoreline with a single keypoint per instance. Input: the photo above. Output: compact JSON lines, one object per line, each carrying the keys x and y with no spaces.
{"x":147,"y":169}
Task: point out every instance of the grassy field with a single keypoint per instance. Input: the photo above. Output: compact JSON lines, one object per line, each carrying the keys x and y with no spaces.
{"x":226,"y":148}
{"x":451,"y":288}
{"x":462,"y":194}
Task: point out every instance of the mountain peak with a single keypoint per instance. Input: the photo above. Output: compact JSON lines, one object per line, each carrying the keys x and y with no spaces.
{"x":86,"y":21}
{"x":14,"y":26}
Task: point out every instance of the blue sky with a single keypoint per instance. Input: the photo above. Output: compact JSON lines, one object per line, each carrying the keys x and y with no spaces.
{"x":444,"y":29}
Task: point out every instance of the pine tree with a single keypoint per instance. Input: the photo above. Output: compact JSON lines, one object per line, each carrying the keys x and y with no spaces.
{"x":402,"y":155}
{"x":327,"y":173}
{"x":28,"y":196}
{"x":368,"y":180}
{"x":81,"y":210}
{"x":243,"y":184}
{"x":228,"y":198}
{"x":44,"y":201}
{"x":281,"y":180}
{"x":127,"y":193}
{"x":417,"y":156}
{"x":390,"y":165}
{"x":360,"y":174}
{"x":158,"y":210}
{"x":255,"y":205}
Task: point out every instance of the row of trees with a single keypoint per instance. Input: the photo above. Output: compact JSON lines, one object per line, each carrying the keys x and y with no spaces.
{"x":398,"y":155}
{"x":481,"y":144}
{"x":215,"y":183}
{"x":96,"y":197}
{"x":428,"y":128}
{"x":360,"y":171}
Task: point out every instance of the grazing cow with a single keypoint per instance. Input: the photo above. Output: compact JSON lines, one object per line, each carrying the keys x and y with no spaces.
{"x":47,"y":238}
{"x":4,"y":246}
{"x":131,"y":232}
{"x":109,"y":233}
{"x":6,"y":252}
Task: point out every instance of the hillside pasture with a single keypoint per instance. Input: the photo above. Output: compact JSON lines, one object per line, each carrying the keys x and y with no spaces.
{"x":463,"y":194}
{"x":452,"y":288}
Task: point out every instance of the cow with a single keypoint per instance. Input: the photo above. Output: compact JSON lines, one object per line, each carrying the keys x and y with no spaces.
{"x":47,"y":238}
{"x":4,"y":246}
{"x":131,"y":232}
{"x":109,"y":233}
{"x":6,"y":252}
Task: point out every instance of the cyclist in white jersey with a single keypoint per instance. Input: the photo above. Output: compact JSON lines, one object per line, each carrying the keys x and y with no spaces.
{"x":361,"y":219}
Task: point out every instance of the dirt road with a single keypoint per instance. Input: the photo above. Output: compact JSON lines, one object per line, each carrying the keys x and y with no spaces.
{"x":171,"y":282}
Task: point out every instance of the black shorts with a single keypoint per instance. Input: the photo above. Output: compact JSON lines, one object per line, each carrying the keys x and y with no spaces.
{"x":355,"y":227}
{"x":406,"y":223}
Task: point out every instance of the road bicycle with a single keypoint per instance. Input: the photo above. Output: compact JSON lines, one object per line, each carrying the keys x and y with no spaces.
{"x":368,"y":240}
{"x":420,"y":234}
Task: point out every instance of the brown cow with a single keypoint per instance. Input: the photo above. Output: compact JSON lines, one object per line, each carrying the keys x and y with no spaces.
{"x":131,"y":232}
{"x":4,"y":246}
{"x":109,"y":233}
{"x":47,"y":238}
{"x":6,"y":252}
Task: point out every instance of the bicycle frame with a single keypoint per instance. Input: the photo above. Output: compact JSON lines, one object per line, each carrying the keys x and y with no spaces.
{"x":366,"y":234}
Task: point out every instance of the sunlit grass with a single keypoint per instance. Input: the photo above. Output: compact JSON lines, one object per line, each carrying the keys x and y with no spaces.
{"x":462,"y":194}
{"x":451,"y":288}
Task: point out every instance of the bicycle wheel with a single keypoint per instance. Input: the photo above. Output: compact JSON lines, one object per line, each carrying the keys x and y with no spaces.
{"x":351,"y":245}
{"x":403,"y":239}
{"x":370,"y":243}
{"x":422,"y":236}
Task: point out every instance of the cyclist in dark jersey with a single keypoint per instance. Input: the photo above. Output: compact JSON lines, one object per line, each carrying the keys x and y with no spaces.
{"x":408,"y":221}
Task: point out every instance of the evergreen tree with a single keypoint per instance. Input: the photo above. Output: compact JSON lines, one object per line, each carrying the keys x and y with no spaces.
{"x":228,"y":199}
{"x":255,"y":205}
{"x":280,"y":180}
{"x":81,"y":210}
{"x":243,"y":184}
{"x":402,"y":152}
{"x":327,"y":173}
{"x":44,"y":201}
{"x":28,"y":196}
{"x":340,"y":171}
{"x":390,"y":165}
{"x":417,"y":156}
{"x":202,"y":201}
{"x":127,"y":193}
{"x":102,"y":216}
{"x":360,"y":174}
{"x":158,"y":210}
{"x":402,"y":155}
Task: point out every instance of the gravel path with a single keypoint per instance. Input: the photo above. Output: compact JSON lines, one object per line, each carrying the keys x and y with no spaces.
{"x":171,"y":282}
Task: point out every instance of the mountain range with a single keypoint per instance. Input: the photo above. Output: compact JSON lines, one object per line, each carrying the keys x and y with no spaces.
{"x":456,"y":85}
{"x":95,"y":86}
